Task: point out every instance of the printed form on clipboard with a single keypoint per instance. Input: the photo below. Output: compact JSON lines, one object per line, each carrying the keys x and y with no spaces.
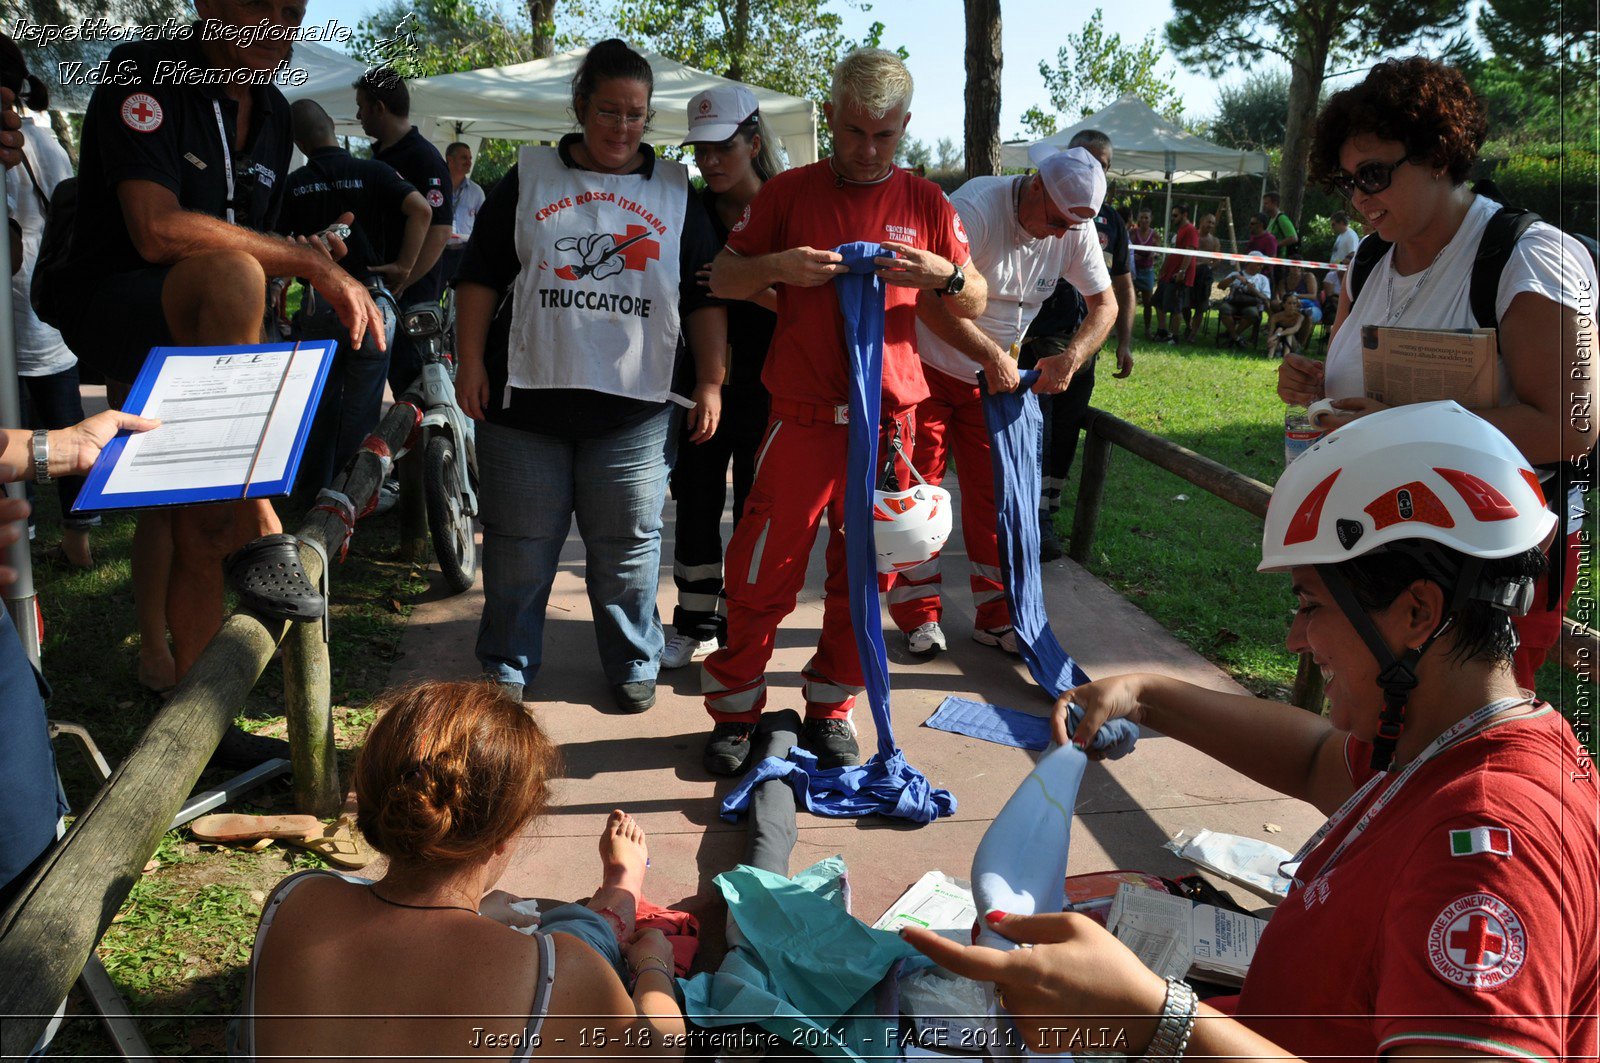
{"x":234,"y":424}
{"x":1400,"y":366}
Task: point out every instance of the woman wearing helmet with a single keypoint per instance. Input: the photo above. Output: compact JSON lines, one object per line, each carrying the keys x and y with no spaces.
{"x":1448,"y":906}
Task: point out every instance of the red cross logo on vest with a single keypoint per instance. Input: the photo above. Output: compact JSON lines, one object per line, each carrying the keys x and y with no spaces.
{"x":1477,"y":942}
{"x":142,"y":113}
{"x":635,"y":251}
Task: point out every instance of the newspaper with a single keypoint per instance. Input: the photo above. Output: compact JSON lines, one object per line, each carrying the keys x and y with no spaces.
{"x":1401,"y":366}
{"x":1176,"y":938}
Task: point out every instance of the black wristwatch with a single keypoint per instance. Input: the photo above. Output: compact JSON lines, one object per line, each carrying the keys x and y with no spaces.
{"x":953,"y":286}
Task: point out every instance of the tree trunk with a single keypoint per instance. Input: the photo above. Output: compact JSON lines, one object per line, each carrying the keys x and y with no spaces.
{"x":1305,"y":86}
{"x":739,"y":38}
{"x":983,"y":88}
{"x":542,"y":13}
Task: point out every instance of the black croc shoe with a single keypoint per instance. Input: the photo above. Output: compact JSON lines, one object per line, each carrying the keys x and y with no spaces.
{"x":270,"y":580}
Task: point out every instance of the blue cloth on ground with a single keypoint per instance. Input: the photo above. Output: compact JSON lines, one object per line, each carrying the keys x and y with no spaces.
{"x":1015,"y":427}
{"x":885,"y":783}
{"x":992,"y":723}
{"x":800,"y":965}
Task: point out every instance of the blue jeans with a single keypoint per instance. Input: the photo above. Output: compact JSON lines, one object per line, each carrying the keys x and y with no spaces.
{"x":352,"y":400}
{"x":533,"y":485}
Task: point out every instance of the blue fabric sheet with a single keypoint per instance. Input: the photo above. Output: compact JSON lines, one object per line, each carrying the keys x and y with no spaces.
{"x":885,"y":783}
{"x":992,"y":723}
{"x":1015,"y":428}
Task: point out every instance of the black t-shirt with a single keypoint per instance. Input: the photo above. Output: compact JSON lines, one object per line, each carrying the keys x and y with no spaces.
{"x":420,"y":163}
{"x":333,"y":181}
{"x":749,"y":326}
{"x":1064,"y":311}
{"x":155,"y":128}
{"x":491,"y":260}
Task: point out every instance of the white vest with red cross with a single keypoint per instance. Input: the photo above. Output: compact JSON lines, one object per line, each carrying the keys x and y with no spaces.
{"x":596,"y":303}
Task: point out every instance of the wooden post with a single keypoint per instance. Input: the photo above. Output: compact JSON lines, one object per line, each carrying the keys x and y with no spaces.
{"x":307,"y":674}
{"x":47,"y":935}
{"x":1307,"y":692}
{"x":1091,"y":490}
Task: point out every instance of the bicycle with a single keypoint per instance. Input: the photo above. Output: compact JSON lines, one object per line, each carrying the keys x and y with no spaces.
{"x":449,"y":451}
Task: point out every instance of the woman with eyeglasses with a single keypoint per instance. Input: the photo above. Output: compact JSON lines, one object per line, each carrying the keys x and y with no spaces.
{"x":1400,"y":145}
{"x":577,"y":292}
{"x":736,"y":154}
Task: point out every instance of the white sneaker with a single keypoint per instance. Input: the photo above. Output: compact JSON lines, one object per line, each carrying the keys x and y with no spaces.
{"x":388,"y":495}
{"x":926,"y":640}
{"x":1004,"y":637}
{"x":681,"y":649}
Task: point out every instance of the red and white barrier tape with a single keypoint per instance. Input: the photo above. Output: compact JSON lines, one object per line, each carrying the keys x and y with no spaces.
{"x":1246,"y":257}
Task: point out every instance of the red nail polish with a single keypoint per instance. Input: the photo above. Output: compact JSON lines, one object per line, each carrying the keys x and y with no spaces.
{"x":995,"y":916}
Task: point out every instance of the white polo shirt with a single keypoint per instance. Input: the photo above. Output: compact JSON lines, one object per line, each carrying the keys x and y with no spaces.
{"x":1021,"y":271}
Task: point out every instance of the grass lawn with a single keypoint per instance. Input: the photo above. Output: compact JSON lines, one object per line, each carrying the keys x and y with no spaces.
{"x":1185,"y":556}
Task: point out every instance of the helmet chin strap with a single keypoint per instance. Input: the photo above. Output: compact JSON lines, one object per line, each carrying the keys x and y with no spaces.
{"x":1397,"y":676}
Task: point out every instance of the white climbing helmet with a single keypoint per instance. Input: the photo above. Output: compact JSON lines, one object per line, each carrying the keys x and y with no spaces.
{"x":1429,"y":471}
{"x":910,"y":527}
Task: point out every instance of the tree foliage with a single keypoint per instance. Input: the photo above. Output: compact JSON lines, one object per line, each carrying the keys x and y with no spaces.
{"x":1095,"y":68}
{"x":421,"y":38}
{"x":1213,"y":35}
{"x":1540,"y":82}
{"x":1254,"y":115}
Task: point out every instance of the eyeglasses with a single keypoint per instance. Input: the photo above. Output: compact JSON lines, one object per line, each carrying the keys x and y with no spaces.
{"x":1370,"y":177}
{"x":632,"y":121}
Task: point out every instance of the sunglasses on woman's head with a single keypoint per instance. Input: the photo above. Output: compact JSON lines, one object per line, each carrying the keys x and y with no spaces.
{"x":1370,"y":177}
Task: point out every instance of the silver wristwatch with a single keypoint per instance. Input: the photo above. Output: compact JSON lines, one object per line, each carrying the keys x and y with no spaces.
{"x":41,"y":456}
{"x":1176,"y":1023}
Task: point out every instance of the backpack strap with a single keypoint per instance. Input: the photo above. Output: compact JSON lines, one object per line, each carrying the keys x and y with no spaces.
{"x":1372,"y":248}
{"x":1500,"y":236}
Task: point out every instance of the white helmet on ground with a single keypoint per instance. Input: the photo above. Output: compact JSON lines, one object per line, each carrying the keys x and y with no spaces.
{"x":1428,"y":471}
{"x":910,"y":527}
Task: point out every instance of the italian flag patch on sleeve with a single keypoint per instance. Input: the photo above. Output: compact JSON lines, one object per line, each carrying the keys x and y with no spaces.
{"x":1496,"y":840}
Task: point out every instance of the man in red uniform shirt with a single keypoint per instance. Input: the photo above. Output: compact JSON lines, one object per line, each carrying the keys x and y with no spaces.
{"x":1177,"y":277}
{"x":785,"y":241}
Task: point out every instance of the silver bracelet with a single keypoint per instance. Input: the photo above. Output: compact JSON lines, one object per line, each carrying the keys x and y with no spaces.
{"x":1176,"y":1024}
{"x":41,"y":456}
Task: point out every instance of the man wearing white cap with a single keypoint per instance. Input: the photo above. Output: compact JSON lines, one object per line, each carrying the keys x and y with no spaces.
{"x":1026,"y":234}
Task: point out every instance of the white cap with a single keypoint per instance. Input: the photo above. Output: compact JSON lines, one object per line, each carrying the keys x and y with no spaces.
{"x":1258,"y":254}
{"x":716,"y":114}
{"x":1074,"y":179}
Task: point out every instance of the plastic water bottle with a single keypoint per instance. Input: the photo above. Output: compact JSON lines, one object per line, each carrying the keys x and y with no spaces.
{"x":1299,"y":432}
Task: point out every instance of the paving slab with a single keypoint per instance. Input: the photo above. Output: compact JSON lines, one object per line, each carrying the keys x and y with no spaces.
{"x":649,"y":764}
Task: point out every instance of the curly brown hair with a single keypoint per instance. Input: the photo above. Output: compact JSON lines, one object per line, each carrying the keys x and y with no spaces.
{"x":1422,"y":103}
{"x":449,"y":772}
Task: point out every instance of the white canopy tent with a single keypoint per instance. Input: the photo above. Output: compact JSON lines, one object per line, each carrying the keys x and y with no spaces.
{"x":1148,"y":147}
{"x":533,"y":100}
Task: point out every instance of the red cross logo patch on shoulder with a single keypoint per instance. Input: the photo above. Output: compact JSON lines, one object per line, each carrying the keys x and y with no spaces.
{"x":142,"y":113}
{"x":435,"y":198}
{"x":744,"y":219}
{"x":1477,"y":942}
{"x":961,"y":231}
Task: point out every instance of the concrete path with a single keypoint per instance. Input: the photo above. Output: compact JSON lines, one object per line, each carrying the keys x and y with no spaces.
{"x":650,"y":764}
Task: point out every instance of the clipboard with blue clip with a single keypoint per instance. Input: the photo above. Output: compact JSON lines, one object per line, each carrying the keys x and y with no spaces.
{"x":234,"y":425}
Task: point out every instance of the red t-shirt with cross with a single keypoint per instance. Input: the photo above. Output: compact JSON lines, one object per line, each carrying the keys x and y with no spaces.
{"x":1464,"y":916}
{"x":810,"y":207}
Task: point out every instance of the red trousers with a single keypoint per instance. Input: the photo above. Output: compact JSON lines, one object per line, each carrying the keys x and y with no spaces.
{"x":800,"y":475}
{"x":1539,"y":631}
{"x":950,"y":422}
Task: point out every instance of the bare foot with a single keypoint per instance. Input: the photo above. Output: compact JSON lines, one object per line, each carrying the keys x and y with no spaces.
{"x":75,"y":545}
{"x":623,"y":854}
{"x":158,"y":675}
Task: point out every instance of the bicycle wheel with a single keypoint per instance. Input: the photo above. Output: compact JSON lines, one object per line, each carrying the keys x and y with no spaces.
{"x":448,"y":522}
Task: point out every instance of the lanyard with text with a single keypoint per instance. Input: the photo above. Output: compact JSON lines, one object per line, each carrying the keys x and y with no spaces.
{"x":227,"y":156}
{"x":1463,"y":728}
